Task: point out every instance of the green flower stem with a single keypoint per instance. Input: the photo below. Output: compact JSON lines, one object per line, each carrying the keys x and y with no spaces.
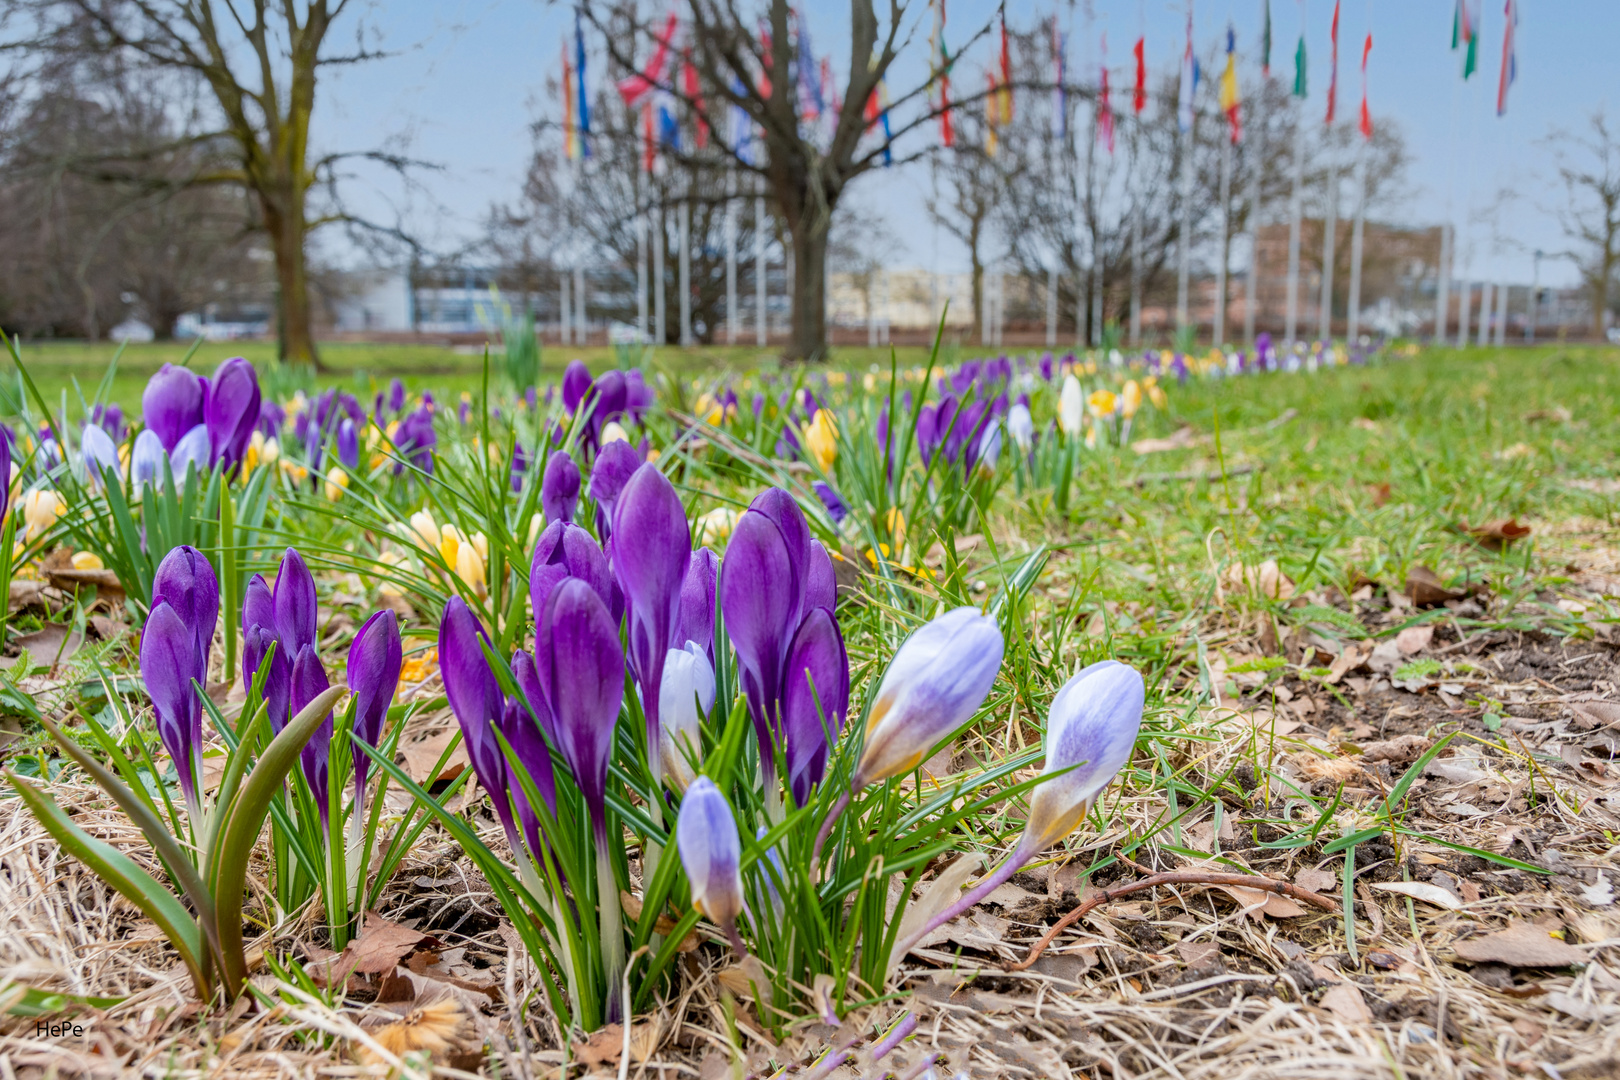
{"x":612,"y":925}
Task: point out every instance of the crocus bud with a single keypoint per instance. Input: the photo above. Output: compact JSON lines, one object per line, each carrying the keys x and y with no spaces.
{"x":935,"y":683}
{"x":1090,"y":733}
{"x":759,"y":596}
{"x":559,"y":487}
{"x":684,"y":697}
{"x":711,"y":853}
{"x":231,"y":410}
{"x":529,"y":739}
{"x":185,"y":581}
{"x":815,"y":700}
{"x":348,"y":444}
{"x":172,"y":405}
{"x":99,"y":453}
{"x":651,"y":551}
{"x":258,"y":634}
{"x":1071,"y":406}
{"x":582,"y":669}
{"x":295,"y":604}
{"x":696,"y":620}
{"x":375,"y":658}
{"x":308,"y":683}
{"x":836,"y":509}
{"x":565,"y":551}
{"x":191,"y":450}
{"x":168,"y":665}
{"x":1021,"y":426}
{"x":475,"y":699}
{"x":615,"y":465}
{"x":575,"y":381}
{"x":5,"y":471}
{"x":40,"y":509}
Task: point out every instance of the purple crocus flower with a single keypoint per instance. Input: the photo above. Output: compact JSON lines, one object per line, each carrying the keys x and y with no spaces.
{"x":651,"y":551}
{"x":396,"y":396}
{"x":581,"y":668}
{"x":576,"y":381}
{"x":564,"y":551}
{"x":5,"y":470}
{"x":711,"y":853}
{"x":375,"y":659}
{"x":523,"y":720}
{"x":191,"y":450}
{"x":296,"y":609}
{"x":172,"y":403}
{"x":604,"y":401}
{"x":169,"y":663}
{"x":415,"y":440}
{"x":696,"y":620}
{"x":99,"y":452}
{"x":258,"y":635}
{"x":308,"y":683}
{"x":1047,"y":367}
{"x":110,"y":418}
{"x":773,"y":575}
{"x":271,"y":418}
{"x":559,"y":487}
{"x":185,"y":581}
{"x":614,"y":466}
{"x":348,"y":444}
{"x":815,"y":699}
{"x":836,"y":509}
{"x":230,"y":410}
{"x":475,"y":698}
{"x":520,"y":465}
{"x":638,"y":396}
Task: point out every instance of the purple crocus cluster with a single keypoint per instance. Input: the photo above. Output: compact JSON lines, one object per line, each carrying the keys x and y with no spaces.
{"x":612,"y":395}
{"x":175,"y":643}
{"x":966,"y":435}
{"x":190,"y":419}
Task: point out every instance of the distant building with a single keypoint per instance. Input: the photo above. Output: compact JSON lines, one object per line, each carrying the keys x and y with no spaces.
{"x":1398,"y":278}
{"x":378,"y":301}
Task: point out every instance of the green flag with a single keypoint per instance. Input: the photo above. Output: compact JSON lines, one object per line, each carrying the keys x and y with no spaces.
{"x":1299,"y":68}
{"x":1471,"y":60}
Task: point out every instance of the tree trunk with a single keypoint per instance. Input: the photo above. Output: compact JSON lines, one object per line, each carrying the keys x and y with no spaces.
{"x":809,"y":338}
{"x":296,"y":339}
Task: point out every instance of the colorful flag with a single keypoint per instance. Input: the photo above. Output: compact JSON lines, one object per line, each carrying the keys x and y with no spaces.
{"x":940,"y":69}
{"x":1230,"y":102}
{"x":669,"y":125}
{"x":1510,"y":62}
{"x":1105,"y":111}
{"x":1189,"y":81}
{"x":1060,"y":73}
{"x":1299,"y":68}
{"x":570,"y":125}
{"x":1465,"y":33}
{"x":1333,"y":67}
{"x":584,"y":107}
{"x":635,"y":86}
{"x":1366,"y":117}
{"x":694,"y":97}
{"x":1265,"y":40}
{"x":877,"y":112}
{"x":1139,"y":94}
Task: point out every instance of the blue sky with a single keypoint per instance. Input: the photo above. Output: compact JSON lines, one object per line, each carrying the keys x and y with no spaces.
{"x":469,"y":79}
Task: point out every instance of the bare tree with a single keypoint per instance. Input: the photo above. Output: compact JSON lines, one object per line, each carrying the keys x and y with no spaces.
{"x":261,"y":63}
{"x":809,"y":162}
{"x":970,"y":186}
{"x":1589,"y":167}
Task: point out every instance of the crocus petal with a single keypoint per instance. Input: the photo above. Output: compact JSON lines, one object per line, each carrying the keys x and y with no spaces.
{"x":296,"y":609}
{"x":698,"y":588}
{"x":348,"y":444}
{"x":651,"y":551}
{"x":615,"y":465}
{"x":146,"y":460}
{"x":308,"y":683}
{"x":474,"y":696}
{"x":231,"y":410}
{"x":258,"y":604}
{"x":277,"y":692}
{"x":168,"y":664}
{"x":1090,"y":732}
{"x":815,"y":700}
{"x":375,"y":658}
{"x":586,"y":686}
{"x":684,"y":697}
{"x":576,"y":551}
{"x":191,"y":450}
{"x":172,"y":404}
{"x":185,"y":581}
{"x":820,"y":583}
{"x":934,"y":684}
{"x":559,"y":487}
{"x":759,"y":597}
{"x":99,"y":452}
{"x":711,"y":852}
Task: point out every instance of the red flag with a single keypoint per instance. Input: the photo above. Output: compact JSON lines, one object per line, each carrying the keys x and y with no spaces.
{"x":694,"y":98}
{"x":633,"y":87}
{"x":1333,"y":76}
{"x":765,"y":60}
{"x":1139,"y":96}
{"x":1366,"y":117}
{"x":648,"y":144}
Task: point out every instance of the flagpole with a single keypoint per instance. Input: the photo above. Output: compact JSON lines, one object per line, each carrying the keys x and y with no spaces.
{"x":660,"y":325}
{"x":581,"y":328}
{"x":1218,"y":337}
{"x":565,"y":310}
{"x":1051,"y":306}
{"x":1353,"y":324}
{"x":731,"y":256}
{"x":761,"y":268}
{"x":1258,"y":126}
{"x":1294,"y":208}
{"x":641,"y":279}
{"x":1502,"y":315}
{"x":685,"y":264}
{"x":1330,"y":231}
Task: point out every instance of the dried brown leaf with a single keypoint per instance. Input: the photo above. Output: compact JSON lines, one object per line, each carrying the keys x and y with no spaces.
{"x":1521,"y":945}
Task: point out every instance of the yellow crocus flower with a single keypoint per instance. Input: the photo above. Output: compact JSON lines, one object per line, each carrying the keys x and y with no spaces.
{"x":1130,"y":399}
{"x":337,"y":482}
{"x":821,"y":439}
{"x":1101,"y":403}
